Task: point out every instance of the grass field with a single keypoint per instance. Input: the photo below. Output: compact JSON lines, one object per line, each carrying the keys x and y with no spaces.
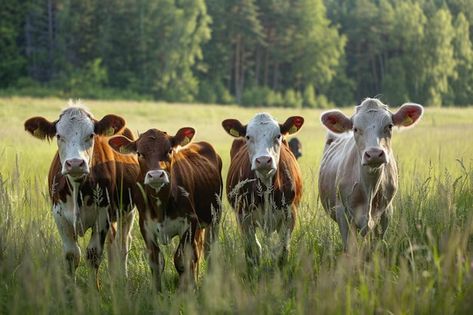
{"x":425,"y":265}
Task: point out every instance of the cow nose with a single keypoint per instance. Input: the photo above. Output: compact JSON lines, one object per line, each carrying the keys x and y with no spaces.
{"x":76,"y":166}
{"x":156,"y":177}
{"x":374,"y":157}
{"x":263,"y":162}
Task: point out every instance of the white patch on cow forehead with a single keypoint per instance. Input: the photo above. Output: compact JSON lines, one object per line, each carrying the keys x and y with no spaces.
{"x":262,"y":123}
{"x":75,"y":119}
{"x":371,"y":112}
{"x":370,"y":105}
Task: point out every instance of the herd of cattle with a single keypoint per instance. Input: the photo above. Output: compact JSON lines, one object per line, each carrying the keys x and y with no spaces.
{"x":100,"y":173}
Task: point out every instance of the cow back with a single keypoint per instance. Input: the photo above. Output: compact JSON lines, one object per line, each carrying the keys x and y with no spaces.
{"x":196,"y":179}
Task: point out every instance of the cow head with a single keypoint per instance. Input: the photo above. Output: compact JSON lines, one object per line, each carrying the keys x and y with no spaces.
{"x":75,"y":131}
{"x":296,"y":147}
{"x":264,"y":136}
{"x":155,"y":150}
{"x":372,"y":126}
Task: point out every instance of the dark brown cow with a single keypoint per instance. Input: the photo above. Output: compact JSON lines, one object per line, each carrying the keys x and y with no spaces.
{"x":264,"y":183}
{"x":296,"y":147}
{"x":90,"y":185}
{"x":182,"y":185}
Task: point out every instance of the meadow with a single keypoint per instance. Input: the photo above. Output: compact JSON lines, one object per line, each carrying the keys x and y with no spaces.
{"x":424,"y":265}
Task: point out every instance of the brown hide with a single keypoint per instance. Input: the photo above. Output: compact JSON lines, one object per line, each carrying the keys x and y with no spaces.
{"x":112,"y":172}
{"x":287,"y":181}
{"x":195,"y":185}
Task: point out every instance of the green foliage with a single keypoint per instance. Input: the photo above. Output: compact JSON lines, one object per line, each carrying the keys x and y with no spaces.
{"x":217,"y":50}
{"x":309,"y":97}
{"x":293,"y":98}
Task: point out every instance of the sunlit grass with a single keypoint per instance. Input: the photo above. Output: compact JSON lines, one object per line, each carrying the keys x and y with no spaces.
{"x":423,"y":267}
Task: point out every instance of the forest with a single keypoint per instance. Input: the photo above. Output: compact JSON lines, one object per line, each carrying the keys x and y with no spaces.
{"x":287,"y":53}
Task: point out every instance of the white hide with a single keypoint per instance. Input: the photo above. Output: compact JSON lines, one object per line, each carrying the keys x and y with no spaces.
{"x":74,"y":132}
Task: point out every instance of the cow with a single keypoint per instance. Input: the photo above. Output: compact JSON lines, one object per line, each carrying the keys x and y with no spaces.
{"x":295,"y":146}
{"x":358,"y":175}
{"x":264,"y":184}
{"x":181,"y":188}
{"x":90,"y":185}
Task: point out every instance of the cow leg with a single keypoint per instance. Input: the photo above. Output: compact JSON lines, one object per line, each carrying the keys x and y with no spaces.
{"x":187,"y":256}
{"x":97,"y":241}
{"x":343,"y":225}
{"x":252,"y":246}
{"x":211,"y":232}
{"x":69,"y":240}
{"x":120,"y":242}
{"x":383,"y":223}
{"x":285,"y":236}
{"x":155,"y":257}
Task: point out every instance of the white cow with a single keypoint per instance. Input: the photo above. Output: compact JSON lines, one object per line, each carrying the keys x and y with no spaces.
{"x":358,"y":175}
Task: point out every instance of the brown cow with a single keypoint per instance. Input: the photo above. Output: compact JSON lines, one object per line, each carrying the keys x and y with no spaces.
{"x":264,"y":183}
{"x":358,"y":174}
{"x":89,"y":184}
{"x":182,"y":185}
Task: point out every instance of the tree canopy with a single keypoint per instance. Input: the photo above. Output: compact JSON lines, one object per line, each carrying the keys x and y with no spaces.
{"x":299,"y":53}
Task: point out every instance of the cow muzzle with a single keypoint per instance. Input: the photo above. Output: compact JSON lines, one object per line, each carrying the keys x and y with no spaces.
{"x":75,"y":168}
{"x":264,"y":166}
{"x":374,"y":157}
{"x":156,"y":179}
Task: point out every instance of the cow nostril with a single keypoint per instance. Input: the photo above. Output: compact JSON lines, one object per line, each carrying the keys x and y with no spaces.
{"x":268,"y":161}
{"x":367,"y":155}
{"x":381,"y":154}
{"x":258,"y":160}
{"x":162,"y":175}
{"x":82,"y":163}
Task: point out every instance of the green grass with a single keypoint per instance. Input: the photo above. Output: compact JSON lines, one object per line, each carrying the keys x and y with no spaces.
{"x":424,"y":266}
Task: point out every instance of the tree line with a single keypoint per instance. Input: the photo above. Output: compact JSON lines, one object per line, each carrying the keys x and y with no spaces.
{"x":299,"y":53}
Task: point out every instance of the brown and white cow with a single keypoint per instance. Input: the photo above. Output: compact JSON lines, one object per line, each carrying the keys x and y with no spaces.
{"x":89,"y":184}
{"x":180,"y":196}
{"x":358,"y":175}
{"x":264,"y":183}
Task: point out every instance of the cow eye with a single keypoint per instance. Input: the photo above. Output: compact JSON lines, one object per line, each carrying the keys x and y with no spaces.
{"x":91,"y":136}
{"x":390,"y":127}
{"x":58,"y":137}
{"x":247,"y":137}
{"x":278,"y":137}
{"x":140,"y":155}
{"x":355,"y":130}
{"x":170,"y":152}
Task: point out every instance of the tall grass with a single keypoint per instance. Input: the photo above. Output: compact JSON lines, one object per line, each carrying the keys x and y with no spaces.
{"x":425,"y":265}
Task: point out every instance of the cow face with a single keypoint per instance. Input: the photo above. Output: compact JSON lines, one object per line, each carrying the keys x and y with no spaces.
{"x":155,"y":150}
{"x":74,"y":131}
{"x":372,"y":128}
{"x":263,"y":136}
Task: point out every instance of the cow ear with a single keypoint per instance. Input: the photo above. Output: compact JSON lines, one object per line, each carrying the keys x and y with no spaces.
{"x":407,"y":114}
{"x":41,"y":128}
{"x":336,"y":121}
{"x":183,"y":136}
{"x":234,"y":128}
{"x":122,"y":145}
{"x":292,"y":125}
{"x":109,"y":125}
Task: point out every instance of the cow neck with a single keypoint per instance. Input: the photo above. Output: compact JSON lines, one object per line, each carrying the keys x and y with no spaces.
{"x":75,"y":188}
{"x":371,"y":180}
{"x":160,"y":200}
